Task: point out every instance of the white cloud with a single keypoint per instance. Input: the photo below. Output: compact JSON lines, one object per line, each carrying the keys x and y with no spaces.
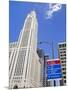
{"x":52,"y":9}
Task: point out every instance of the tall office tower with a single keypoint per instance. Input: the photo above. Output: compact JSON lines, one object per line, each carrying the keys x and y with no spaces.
{"x":41,"y":59}
{"x":24,"y":65}
{"x":62,"y":56}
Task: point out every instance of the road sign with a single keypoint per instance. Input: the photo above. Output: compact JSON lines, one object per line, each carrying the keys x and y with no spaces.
{"x":54,"y":69}
{"x":54,"y":76}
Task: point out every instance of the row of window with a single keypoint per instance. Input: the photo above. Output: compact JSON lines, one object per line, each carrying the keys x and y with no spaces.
{"x":62,"y":58}
{"x":63,"y":61}
{"x":64,"y":72}
{"x":62,"y":45}
{"x":63,"y":55}
{"x":63,"y":64}
{"x":63,"y":68}
{"x":17,"y":77}
{"x":63,"y":51}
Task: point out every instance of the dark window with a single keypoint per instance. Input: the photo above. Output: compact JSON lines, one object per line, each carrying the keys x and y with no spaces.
{"x":63,"y":61}
{"x":64,"y":72}
{"x":54,"y":83}
{"x":64,"y":76}
{"x":63,"y":64}
{"x":63,"y":68}
{"x":63,"y":45}
{"x":64,"y":81}
{"x":15,"y":87}
{"x":61,"y":83}
{"x":64,"y":54}
{"x":59,"y":46}
{"x":24,"y":87}
{"x":47,"y":83}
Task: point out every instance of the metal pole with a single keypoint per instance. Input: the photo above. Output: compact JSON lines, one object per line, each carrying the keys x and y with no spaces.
{"x":54,"y":83}
{"x":52,"y":51}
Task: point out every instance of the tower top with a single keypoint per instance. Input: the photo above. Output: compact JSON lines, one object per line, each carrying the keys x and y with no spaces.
{"x":33,"y":13}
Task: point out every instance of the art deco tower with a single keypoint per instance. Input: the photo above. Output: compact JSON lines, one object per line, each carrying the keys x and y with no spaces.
{"x":24,"y":65}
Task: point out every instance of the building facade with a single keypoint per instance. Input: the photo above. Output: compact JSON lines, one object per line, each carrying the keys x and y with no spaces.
{"x":41,"y":59}
{"x":62,"y":56}
{"x":24,"y":65}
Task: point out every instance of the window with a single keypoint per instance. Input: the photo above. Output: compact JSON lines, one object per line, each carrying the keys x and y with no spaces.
{"x":63,"y":61}
{"x":59,"y":46}
{"x":64,"y":81}
{"x":54,"y":83}
{"x":48,"y":83}
{"x":64,"y":76}
{"x":63,"y":68}
{"x":63,"y":64}
{"x":15,"y":87}
{"x":63,"y":45}
{"x":61,"y":82}
{"x":64,"y":72}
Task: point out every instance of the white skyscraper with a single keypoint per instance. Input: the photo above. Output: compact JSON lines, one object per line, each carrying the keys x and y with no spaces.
{"x":24,"y":65}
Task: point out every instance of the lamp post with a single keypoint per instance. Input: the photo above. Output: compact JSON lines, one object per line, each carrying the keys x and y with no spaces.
{"x":51,"y":44}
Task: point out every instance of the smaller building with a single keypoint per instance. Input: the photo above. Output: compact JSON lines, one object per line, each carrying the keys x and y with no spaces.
{"x":45,"y":81}
{"x":41,"y":59}
{"x":62,"y":56}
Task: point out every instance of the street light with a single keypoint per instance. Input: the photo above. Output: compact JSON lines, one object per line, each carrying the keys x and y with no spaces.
{"x":49,"y":43}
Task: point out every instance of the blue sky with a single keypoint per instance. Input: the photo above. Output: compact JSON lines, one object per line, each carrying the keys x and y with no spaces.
{"x":52,"y":29}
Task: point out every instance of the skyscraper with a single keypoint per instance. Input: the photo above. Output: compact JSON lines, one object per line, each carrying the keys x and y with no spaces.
{"x":62,"y":56}
{"x":24,"y":65}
